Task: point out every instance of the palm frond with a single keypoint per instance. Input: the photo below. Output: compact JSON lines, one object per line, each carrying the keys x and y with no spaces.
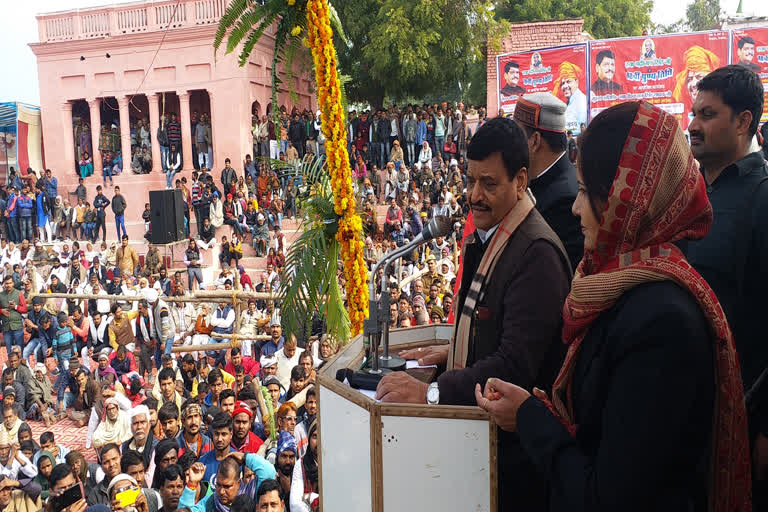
{"x":253,"y":37}
{"x":338,"y":29}
{"x":227,"y":21}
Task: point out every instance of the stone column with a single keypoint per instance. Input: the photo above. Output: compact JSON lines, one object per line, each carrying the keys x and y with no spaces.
{"x":95,"y":105}
{"x":69,"y":139}
{"x":125,"y":133}
{"x":154,"y":124}
{"x":186,"y":130}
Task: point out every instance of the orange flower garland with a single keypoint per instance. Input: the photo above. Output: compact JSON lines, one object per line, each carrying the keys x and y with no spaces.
{"x":332,"y":121}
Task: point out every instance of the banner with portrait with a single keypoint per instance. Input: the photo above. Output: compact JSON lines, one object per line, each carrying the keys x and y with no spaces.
{"x":662,"y":70}
{"x":749,"y":48}
{"x":560,"y":71}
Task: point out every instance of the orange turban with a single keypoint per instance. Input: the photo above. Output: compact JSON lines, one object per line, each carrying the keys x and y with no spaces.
{"x":567,"y":70}
{"x":696,"y":60}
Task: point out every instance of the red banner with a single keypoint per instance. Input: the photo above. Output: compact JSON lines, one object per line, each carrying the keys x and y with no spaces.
{"x":750,"y":49}
{"x":662,"y":70}
{"x":560,"y":71}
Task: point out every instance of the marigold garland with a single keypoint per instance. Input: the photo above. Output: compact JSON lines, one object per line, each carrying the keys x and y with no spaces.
{"x":332,"y":121}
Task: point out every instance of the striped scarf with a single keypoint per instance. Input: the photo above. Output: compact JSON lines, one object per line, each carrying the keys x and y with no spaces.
{"x":457,"y":359}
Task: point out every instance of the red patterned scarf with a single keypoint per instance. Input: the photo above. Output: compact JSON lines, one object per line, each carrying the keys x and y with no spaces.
{"x":658,"y":197}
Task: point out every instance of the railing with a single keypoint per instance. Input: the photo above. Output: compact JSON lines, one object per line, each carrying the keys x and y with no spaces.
{"x":129,"y":18}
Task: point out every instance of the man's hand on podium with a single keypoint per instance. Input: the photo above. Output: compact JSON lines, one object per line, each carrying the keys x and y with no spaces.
{"x":436,"y":354}
{"x":401,"y":388}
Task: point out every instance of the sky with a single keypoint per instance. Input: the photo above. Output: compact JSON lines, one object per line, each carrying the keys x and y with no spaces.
{"x":18,"y":28}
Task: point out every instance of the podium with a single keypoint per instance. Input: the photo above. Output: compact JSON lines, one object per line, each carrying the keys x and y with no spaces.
{"x":393,"y":457}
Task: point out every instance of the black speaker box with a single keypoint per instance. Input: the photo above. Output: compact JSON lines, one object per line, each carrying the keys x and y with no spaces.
{"x":167,"y":216}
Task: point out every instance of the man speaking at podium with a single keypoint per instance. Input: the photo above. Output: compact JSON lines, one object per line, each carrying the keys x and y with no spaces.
{"x":509,"y":307}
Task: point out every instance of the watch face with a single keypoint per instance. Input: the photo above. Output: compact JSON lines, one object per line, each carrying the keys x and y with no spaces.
{"x":432,"y":395}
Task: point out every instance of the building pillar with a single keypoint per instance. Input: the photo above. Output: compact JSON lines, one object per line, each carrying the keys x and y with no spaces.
{"x":125,"y":133}
{"x":214,"y":160}
{"x":69,"y":139}
{"x":95,"y":105}
{"x":154,"y":124}
{"x":186,"y":130}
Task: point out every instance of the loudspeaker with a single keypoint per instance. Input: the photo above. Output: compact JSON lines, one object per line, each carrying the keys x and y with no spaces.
{"x":167,"y":216}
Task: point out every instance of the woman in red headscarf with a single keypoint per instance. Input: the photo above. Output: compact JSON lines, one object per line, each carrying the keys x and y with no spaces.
{"x":647,"y":412}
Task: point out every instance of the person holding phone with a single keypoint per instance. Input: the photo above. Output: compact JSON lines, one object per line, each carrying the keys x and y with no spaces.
{"x":66,"y":492}
{"x":125,"y":494}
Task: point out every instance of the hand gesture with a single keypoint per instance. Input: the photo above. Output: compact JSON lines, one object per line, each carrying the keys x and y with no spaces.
{"x":78,"y":506}
{"x":196,"y":473}
{"x":502,"y":401}
{"x":238,"y":456}
{"x":141,"y":503}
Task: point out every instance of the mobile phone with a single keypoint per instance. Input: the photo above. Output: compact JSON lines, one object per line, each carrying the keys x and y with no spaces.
{"x":68,"y":498}
{"x":128,"y":497}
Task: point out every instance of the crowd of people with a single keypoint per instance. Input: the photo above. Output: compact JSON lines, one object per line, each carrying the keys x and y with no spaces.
{"x":233,"y":430}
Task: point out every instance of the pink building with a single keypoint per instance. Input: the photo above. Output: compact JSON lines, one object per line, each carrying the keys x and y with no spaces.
{"x":135,"y":61}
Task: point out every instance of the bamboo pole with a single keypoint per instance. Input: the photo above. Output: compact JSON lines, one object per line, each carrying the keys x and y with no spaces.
{"x":209,"y":296}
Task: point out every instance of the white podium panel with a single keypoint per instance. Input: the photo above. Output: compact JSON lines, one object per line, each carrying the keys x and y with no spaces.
{"x":435,"y":464}
{"x":346,"y":472}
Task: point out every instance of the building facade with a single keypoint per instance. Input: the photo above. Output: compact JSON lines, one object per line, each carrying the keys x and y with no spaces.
{"x":115,"y":66}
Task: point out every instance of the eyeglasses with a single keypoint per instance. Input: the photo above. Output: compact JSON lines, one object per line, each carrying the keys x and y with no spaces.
{"x":290,"y":418}
{"x":118,"y":490}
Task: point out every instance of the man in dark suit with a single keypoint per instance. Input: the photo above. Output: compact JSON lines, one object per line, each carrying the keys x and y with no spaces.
{"x":552,"y":175}
{"x":605,"y":66}
{"x":512,"y":79}
{"x":509,"y":314}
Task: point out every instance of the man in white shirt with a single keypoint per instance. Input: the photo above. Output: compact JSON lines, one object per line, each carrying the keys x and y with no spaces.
{"x":12,"y":461}
{"x":287,"y":358}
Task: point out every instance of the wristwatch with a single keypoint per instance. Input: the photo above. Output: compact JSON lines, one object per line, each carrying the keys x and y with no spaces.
{"x":433,"y":394}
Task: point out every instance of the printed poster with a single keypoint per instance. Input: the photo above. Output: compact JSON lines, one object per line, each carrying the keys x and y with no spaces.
{"x":662,"y":70}
{"x":749,"y":48}
{"x":560,"y":71}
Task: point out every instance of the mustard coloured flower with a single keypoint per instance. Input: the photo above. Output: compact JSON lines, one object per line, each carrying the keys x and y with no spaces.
{"x":291,"y":2}
{"x":296,"y":30}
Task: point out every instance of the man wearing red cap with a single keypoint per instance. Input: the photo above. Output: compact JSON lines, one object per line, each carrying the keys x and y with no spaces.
{"x":243,"y":440}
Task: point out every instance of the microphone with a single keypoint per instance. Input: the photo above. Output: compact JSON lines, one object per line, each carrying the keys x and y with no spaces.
{"x":378,"y":320}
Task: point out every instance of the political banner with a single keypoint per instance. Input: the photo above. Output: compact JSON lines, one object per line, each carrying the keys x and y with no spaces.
{"x":560,"y":71}
{"x":749,"y":48}
{"x":662,"y":70}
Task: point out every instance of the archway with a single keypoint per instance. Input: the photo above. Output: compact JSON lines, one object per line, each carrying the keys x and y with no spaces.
{"x":81,"y":126}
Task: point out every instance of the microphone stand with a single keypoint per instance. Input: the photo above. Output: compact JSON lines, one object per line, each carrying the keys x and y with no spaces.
{"x":376,"y":326}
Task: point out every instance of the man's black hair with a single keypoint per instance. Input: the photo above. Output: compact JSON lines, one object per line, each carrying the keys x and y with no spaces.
{"x":222,"y":420}
{"x":297,"y":372}
{"x":603,"y":55}
{"x":739,"y":88}
{"x":186,"y":460}
{"x":27,"y":445}
{"x":246,"y":394}
{"x":151,"y":403}
{"x":226,"y":393}
{"x":170,"y":474}
{"x":7,"y":371}
{"x":214,"y":375}
{"x":58,"y":473}
{"x":167,"y":412}
{"x":234,"y":351}
{"x":165,"y":374}
{"x":242,"y":503}
{"x":106,"y":449}
{"x":130,"y":458}
{"x":501,"y":135}
{"x":509,"y":65}
{"x":745,"y":40}
{"x":47,"y":437}
{"x":268,"y":485}
{"x":228,"y":468}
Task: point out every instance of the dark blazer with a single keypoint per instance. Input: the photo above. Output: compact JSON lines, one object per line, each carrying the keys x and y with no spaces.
{"x":555,"y":193}
{"x":516,"y":337}
{"x":643,"y":396}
